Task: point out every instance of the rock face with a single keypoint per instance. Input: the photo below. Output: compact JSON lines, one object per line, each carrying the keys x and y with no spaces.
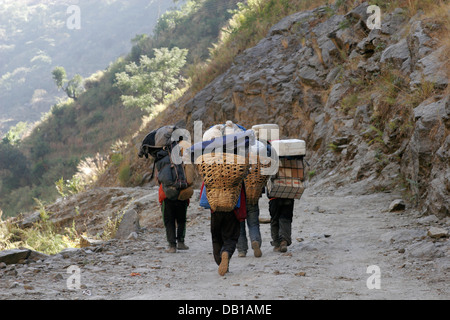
{"x":427,"y":158}
{"x":303,"y":76}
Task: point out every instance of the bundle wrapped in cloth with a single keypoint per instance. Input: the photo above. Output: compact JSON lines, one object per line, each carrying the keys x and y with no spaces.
{"x":237,"y":143}
{"x":223,"y":162}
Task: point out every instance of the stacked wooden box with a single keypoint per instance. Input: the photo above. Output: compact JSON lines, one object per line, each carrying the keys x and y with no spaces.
{"x":288,"y":182}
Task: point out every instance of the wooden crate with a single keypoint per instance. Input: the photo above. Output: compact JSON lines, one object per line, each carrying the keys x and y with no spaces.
{"x":288,"y":182}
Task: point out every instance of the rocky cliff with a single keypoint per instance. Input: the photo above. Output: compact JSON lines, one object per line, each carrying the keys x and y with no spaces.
{"x":372,"y":105}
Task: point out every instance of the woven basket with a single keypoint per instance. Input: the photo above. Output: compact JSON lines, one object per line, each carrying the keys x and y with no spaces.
{"x":255,"y":182}
{"x":223,"y":176}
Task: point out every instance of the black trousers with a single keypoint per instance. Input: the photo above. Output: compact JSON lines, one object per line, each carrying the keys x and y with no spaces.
{"x":225,"y":231}
{"x":281,"y":213}
{"x":174,"y":217}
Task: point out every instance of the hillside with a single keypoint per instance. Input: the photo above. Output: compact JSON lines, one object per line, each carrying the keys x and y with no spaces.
{"x":373,"y":107}
{"x":35,"y":38}
{"x":84,"y":134}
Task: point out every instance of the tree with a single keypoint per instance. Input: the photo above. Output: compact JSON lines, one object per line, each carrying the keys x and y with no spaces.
{"x":152,"y":80}
{"x":14,"y":171}
{"x":15,"y":134}
{"x":59,"y":75}
{"x":74,"y":87}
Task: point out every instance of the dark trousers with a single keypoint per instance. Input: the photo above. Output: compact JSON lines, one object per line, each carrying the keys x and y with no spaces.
{"x":225,"y":230}
{"x":174,"y":217}
{"x":281,"y":213}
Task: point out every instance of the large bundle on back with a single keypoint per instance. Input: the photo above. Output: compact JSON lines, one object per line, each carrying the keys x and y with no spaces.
{"x":288,"y":182}
{"x":176,"y":177}
{"x":223,"y":161}
{"x":262,"y":157}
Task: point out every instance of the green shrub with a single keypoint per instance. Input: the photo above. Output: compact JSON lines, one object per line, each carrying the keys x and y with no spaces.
{"x":124,"y":174}
{"x":43,"y":236}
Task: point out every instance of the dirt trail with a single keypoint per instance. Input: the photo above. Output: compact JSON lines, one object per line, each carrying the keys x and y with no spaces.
{"x":336,"y":237}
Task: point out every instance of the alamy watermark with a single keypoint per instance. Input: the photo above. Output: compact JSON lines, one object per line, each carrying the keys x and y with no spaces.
{"x":74,"y":280}
{"x":73,"y":22}
{"x":374,"y":20}
{"x":374,"y":281}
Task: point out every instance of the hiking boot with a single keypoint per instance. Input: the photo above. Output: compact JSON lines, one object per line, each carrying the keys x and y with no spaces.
{"x":276,"y":249}
{"x":242,"y":254}
{"x":223,"y":267}
{"x":182,"y":246}
{"x":256,"y":249}
{"x":283,"y":246}
{"x":171,"y":249}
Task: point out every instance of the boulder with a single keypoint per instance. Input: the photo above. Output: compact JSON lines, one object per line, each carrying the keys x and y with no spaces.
{"x":398,"y":55}
{"x":424,"y":250}
{"x":435,"y":232}
{"x":397,"y":205}
{"x":128,"y":225}
{"x":431,"y":69}
{"x":14,"y":256}
{"x":29,"y":220}
{"x":309,"y":76}
{"x":285,"y":24}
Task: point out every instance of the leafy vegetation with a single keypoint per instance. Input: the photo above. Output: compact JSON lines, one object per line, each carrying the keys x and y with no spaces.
{"x":74,"y":86}
{"x":152,"y":80}
{"x":42,"y":236}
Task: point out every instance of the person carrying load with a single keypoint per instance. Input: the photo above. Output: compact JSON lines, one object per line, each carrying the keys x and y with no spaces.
{"x":222,"y":160}
{"x":282,"y":190}
{"x":175,"y":182}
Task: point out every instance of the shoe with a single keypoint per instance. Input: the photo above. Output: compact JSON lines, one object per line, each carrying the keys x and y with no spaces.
{"x":283,"y":246}
{"x":256,"y":249}
{"x":182,"y":246}
{"x":171,"y":250}
{"x":223,"y":267}
{"x":276,"y":249}
{"x":242,"y":254}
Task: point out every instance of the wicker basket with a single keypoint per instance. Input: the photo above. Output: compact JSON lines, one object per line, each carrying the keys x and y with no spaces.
{"x":255,"y":182}
{"x":223,"y":176}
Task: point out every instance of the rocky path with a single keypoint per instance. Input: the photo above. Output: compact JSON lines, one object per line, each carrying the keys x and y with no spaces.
{"x":337,"y":236}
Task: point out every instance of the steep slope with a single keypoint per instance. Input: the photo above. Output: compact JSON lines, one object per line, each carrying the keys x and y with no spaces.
{"x":372,"y":105}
